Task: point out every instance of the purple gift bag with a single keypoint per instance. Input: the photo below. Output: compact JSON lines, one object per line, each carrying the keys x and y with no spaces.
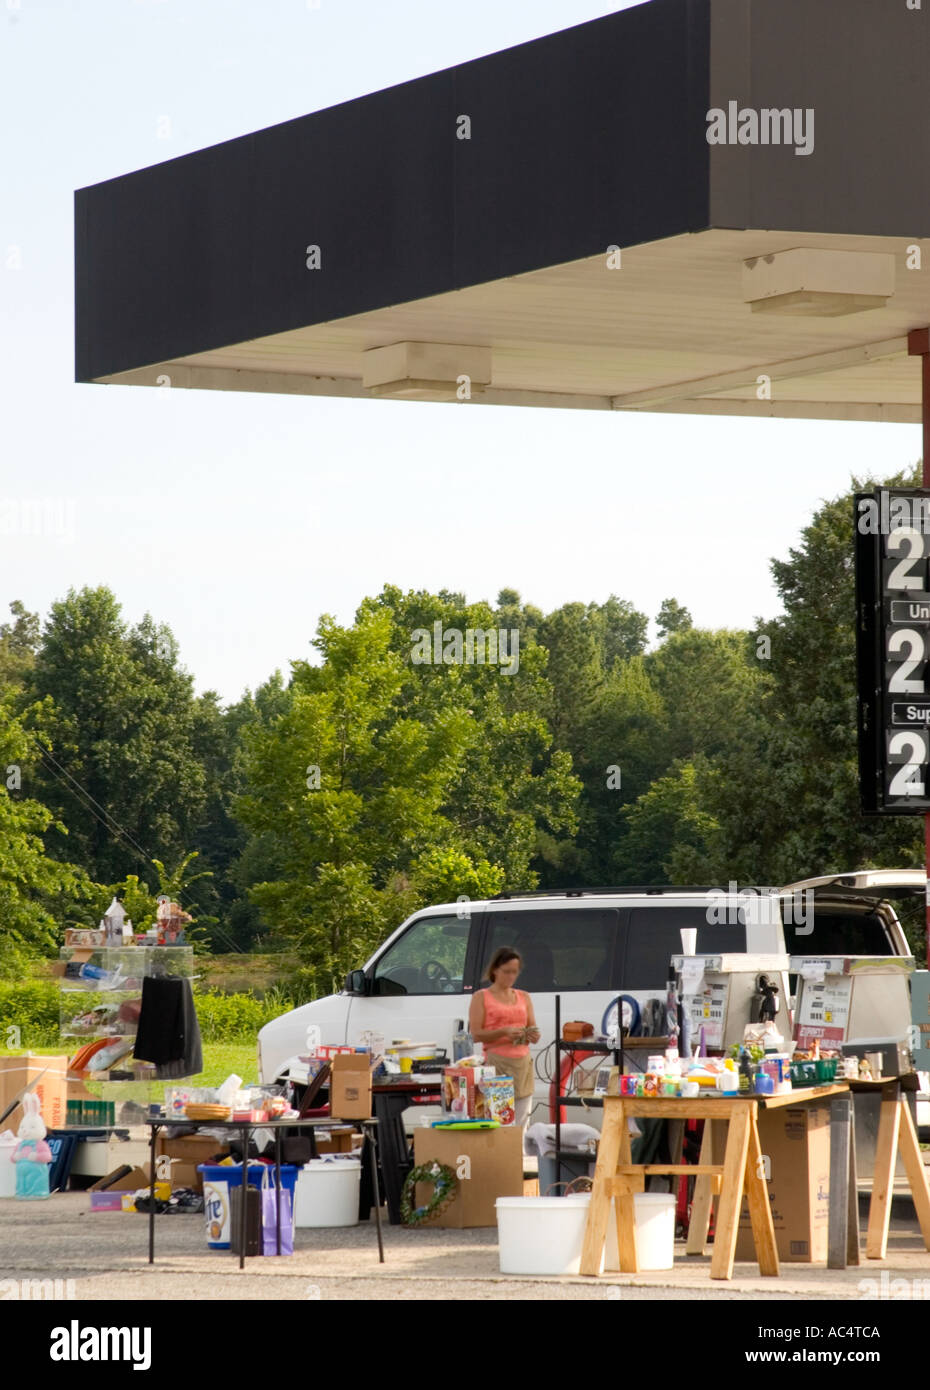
{"x":270,"y":1217}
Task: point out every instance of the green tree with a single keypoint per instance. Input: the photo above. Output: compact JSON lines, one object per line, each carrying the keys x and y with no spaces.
{"x":18,"y":642}
{"x":672,"y":617}
{"x":671,"y":836}
{"x":231,"y":920}
{"x":121,"y":771}
{"x":36,"y":892}
{"x":383,"y":783}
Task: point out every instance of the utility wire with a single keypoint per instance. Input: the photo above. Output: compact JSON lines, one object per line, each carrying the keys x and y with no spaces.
{"x":111,"y":825}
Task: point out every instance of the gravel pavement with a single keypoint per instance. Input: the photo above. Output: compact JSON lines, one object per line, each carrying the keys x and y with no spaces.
{"x":105,"y":1254}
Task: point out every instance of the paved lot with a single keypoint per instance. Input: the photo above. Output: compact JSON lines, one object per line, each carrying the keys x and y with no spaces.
{"x":106,"y":1255}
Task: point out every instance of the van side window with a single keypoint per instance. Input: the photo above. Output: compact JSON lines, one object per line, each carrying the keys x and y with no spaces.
{"x":565,"y":949}
{"x":654,"y":936}
{"x":428,"y":959}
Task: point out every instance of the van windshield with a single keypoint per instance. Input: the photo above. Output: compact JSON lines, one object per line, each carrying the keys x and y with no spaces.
{"x":428,"y":959}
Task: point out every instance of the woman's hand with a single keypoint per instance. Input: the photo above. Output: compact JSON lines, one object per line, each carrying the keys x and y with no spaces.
{"x":512,"y":1035}
{"x":533,"y":1034}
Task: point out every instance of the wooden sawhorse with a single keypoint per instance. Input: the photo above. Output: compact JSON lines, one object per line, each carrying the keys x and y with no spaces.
{"x":896,"y":1135}
{"x":741,"y":1171}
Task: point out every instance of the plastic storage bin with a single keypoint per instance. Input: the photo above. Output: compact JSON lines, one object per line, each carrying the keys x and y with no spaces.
{"x":814,"y":1073}
{"x":218,"y":1179}
{"x":328,"y":1192}
{"x":654,"y":1225}
{"x":573,"y":1165}
{"x":8,"y":1142}
{"x":541,"y":1235}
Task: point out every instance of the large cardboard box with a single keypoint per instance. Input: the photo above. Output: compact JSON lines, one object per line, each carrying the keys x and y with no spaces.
{"x":186,"y":1152}
{"x":488,"y":1163}
{"x":16,"y":1072}
{"x":795,"y":1143}
{"x":350,"y":1086}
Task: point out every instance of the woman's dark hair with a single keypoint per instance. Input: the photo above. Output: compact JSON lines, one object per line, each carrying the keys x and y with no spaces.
{"x":502,"y":956}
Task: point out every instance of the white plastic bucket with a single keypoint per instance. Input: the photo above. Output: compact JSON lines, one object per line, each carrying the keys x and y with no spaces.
{"x":654,"y":1225}
{"x":328,"y":1192}
{"x":540,"y":1235}
{"x":611,"y":1258}
{"x":8,"y":1142}
{"x":654,"y":1219}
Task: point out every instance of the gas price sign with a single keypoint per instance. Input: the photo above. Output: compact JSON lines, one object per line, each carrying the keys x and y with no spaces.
{"x":893,"y":649}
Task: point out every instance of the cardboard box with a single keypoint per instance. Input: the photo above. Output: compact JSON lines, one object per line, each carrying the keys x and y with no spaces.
{"x":795,"y":1144}
{"x":335,"y":1141}
{"x":16,"y":1072}
{"x":185,"y":1175}
{"x":118,"y":1195}
{"x":490,"y":1162}
{"x":129,"y":1182}
{"x":185,"y":1154}
{"x":460,"y":1093}
{"x":350,"y":1086}
{"x":191,"y":1148}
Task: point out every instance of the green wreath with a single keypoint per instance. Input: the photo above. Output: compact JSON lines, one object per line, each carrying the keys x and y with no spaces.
{"x":445,"y":1189}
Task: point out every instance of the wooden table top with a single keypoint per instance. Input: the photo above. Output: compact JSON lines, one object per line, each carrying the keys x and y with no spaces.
{"x":713,"y":1106}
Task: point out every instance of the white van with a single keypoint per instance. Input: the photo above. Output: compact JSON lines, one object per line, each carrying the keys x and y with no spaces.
{"x":587,"y":946}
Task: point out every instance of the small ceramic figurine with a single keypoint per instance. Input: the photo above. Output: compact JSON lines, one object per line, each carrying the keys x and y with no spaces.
{"x":32,"y":1155}
{"x":865,"y":1069}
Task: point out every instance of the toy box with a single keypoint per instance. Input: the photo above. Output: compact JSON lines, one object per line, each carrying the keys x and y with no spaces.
{"x":499,"y":1101}
{"x":85,"y":936}
{"x":460,"y":1095}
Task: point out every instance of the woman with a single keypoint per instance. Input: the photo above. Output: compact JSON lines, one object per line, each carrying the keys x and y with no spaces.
{"x":502,"y":1018}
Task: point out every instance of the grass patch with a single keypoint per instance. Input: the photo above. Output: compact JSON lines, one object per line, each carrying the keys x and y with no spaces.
{"x":220,"y":1060}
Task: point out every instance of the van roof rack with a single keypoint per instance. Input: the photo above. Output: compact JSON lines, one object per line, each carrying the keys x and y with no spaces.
{"x":626,"y":889}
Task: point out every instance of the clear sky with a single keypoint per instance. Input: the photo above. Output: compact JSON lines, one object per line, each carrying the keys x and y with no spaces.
{"x":239,"y":519}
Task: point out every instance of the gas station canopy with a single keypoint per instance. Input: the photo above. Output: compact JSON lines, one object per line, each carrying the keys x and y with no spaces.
{"x":707,"y":206}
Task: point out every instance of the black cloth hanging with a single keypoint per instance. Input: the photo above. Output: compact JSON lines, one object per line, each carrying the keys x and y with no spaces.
{"x":168,"y":1033}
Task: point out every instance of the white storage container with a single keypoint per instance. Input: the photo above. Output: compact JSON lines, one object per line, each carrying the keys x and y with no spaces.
{"x":8,"y":1142}
{"x":541,"y":1235}
{"x":536,"y":1237}
{"x":328,"y":1192}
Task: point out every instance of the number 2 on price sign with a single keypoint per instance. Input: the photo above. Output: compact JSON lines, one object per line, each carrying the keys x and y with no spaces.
{"x":908,"y":779}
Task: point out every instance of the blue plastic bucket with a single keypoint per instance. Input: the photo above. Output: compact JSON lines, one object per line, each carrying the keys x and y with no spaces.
{"x":218,"y":1179}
